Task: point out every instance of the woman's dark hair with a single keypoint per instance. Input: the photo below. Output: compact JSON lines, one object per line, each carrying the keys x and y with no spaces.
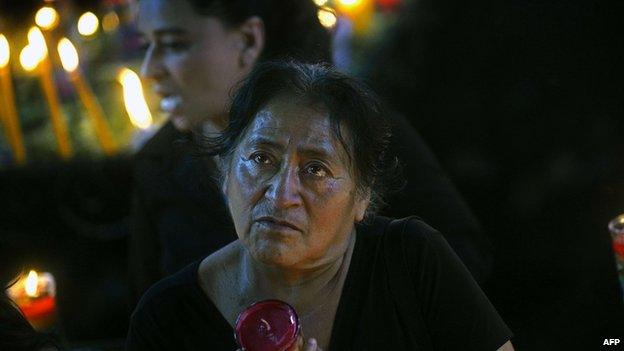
{"x":351,"y":106}
{"x":291,"y":26}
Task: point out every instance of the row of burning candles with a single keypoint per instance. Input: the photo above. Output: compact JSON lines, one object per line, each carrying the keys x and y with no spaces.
{"x":35,"y":58}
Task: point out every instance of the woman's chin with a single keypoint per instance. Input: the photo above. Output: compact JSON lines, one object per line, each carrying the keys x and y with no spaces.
{"x":180,"y":123}
{"x":279,"y":255}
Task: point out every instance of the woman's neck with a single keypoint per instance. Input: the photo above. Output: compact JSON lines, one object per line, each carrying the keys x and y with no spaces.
{"x":303,"y":289}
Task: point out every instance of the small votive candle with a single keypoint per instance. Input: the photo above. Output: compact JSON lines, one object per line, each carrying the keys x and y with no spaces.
{"x":35,"y":295}
{"x":616,"y":227}
{"x":269,"y":325}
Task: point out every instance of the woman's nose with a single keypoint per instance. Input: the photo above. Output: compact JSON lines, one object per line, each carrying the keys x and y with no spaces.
{"x":284,"y":189}
{"x":151,"y":67}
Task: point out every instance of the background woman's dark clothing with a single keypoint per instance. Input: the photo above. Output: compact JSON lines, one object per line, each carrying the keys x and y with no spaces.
{"x":179,"y":213}
{"x":176,"y":314}
{"x":521,"y":101}
{"x":429,"y":194}
{"x":180,"y":216}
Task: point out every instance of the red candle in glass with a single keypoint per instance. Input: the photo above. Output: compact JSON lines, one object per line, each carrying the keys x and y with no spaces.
{"x":35,"y":296}
{"x":616,"y":227}
{"x":269,"y":325}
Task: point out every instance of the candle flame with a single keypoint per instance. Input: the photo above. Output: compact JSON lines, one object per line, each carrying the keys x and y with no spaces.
{"x":349,"y":3}
{"x":68,"y":54}
{"x":31,"y":284}
{"x":37,"y":41}
{"x":327,"y":18}
{"x":88,"y":24}
{"x":320,"y":3}
{"x":5,"y":53}
{"x":110,"y":22}
{"x":134,"y":100}
{"x":47,"y":18}
{"x":29,"y":58}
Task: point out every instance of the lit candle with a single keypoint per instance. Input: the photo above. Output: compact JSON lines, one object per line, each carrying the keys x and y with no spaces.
{"x":616,"y":227}
{"x":39,"y":50}
{"x":47,"y":18}
{"x":9,"y":111}
{"x":35,"y":295}
{"x":134,"y":99}
{"x":69,"y":59}
{"x":359,"y":11}
{"x":327,"y":17}
{"x":110,"y":22}
{"x":88,"y":24}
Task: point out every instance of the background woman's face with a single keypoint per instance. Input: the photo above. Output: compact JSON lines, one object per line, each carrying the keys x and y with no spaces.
{"x":192,"y":60}
{"x":290,"y":188}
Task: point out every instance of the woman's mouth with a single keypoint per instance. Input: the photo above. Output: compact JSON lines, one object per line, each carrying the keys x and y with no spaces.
{"x":275,"y":224}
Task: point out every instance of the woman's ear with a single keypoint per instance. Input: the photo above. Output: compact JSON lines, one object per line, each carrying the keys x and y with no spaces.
{"x":362,"y":201}
{"x":253,"y":38}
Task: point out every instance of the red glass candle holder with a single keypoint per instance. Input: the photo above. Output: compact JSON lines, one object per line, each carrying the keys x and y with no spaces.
{"x":269,"y":325}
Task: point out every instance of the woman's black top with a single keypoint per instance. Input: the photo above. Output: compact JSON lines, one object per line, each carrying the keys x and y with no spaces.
{"x":175,"y":314}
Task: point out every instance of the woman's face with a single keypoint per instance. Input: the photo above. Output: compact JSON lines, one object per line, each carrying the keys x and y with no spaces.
{"x":192,"y":60}
{"x":290,"y":188}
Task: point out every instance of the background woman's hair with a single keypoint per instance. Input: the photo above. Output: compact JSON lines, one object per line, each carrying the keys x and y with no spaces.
{"x":291,"y":26}
{"x":350,"y":104}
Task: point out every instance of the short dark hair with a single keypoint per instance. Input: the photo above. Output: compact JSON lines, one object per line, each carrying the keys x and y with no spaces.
{"x":350,"y":105}
{"x":291,"y":26}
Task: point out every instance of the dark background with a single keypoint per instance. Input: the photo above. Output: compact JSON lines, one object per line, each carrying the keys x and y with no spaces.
{"x":522,"y":101}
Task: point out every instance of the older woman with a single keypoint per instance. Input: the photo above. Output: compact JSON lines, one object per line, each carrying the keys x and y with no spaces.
{"x":303,"y":164}
{"x":197,"y":51}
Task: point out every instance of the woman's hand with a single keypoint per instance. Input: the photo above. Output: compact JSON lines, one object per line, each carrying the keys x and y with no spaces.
{"x":310,"y":345}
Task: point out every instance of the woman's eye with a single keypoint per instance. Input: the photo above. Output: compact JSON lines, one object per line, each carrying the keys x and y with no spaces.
{"x":260,"y":159}
{"x":316,"y":170}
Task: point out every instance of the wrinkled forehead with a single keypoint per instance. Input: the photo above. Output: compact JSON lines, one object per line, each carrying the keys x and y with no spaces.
{"x":297,"y":125}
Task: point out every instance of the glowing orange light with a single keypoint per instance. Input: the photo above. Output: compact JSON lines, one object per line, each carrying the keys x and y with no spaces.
{"x":88,"y":24}
{"x":327,"y":18}
{"x":47,"y":18}
{"x":134,"y":99}
{"x":110,"y":22}
{"x":5,"y":52}
{"x":31,"y":284}
{"x":68,"y":55}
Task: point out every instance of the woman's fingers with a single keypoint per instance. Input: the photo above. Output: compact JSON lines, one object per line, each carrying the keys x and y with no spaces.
{"x":311,"y":345}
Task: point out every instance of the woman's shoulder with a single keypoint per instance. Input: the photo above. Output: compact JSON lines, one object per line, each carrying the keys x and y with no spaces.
{"x":219,"y":273}
{"x":219,"y":270}
{"x":222,"y":261}
{"x":168,"y":290}
{"x":175,"y":314}
{"x":411,"y":230}
{"x":414,"y":240}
